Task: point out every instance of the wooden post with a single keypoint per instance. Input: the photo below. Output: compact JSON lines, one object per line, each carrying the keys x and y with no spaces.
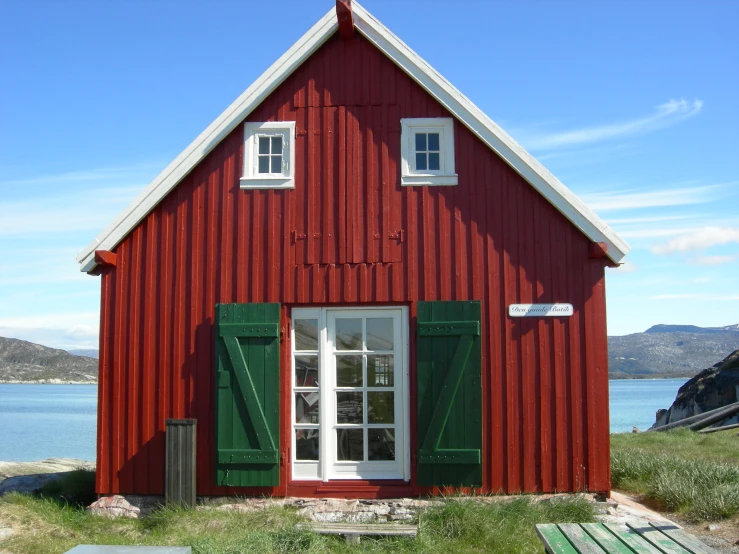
{"x":179,"y":473}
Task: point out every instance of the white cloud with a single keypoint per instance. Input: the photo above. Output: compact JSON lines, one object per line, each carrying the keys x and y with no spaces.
{"x":669,"y":113}
{"x":674,"y":296}
{"x":713,"y":260}
{"x":699,"y":240}
{"x":632,"y":199}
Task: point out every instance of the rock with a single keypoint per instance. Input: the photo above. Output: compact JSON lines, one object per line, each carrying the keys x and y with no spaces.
{"x":712,"y":527}
{"x":5,"y":532}
{"x":31,"y":476}
{"x":635,"y":429}
{"x":712,"y":388}
{"x":114,"y":506}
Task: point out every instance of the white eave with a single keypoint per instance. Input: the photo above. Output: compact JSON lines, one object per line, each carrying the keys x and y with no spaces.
{"x":420,"y":71}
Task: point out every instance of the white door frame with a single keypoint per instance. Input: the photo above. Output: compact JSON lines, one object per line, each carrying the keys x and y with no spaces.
{"x":327,"y":467}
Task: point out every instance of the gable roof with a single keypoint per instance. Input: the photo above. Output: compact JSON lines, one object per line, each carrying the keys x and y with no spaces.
{"x":411,"y":63}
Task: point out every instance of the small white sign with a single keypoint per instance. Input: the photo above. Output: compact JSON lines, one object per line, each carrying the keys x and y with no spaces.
{"x":540,"y":310}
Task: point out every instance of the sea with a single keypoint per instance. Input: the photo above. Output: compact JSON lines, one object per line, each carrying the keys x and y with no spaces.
{"x":59,"y":421}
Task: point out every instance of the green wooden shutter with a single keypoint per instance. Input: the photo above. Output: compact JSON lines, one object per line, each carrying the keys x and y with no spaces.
{"x":449,"y":394}
{"x":247,"y":394}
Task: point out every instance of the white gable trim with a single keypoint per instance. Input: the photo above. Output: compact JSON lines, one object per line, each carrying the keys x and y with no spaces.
{"x":453,"y":100}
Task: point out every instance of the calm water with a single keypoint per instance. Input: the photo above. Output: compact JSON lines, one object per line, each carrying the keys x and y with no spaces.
{"x":58,"y":421}
{"x":635,"y":401}
{"x":47,"y":421}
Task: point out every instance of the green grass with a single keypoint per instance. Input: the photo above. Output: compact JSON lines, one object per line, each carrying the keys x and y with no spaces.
{"x":457,"y":525}
{"x":680,"y":471}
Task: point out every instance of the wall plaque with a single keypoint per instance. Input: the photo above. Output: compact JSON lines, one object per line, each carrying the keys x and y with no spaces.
{"x":540,"y":310}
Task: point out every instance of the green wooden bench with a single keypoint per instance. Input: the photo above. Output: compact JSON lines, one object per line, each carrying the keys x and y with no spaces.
{"x":353,"y":531}
{"x":638,"y":537}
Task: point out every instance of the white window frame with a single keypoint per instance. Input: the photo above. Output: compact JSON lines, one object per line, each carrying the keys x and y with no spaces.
{"x":250,"y":178}
{"x":445,"y":175}
{"x":327,"y":468}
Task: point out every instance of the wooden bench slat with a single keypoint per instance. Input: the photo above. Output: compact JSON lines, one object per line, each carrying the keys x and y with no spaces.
{"x":554,"y":541}
{"x":606,"y":538}
{"x":635,"y":541}
{"x":657,"y":538}
{"x":583,"y":543}
{"x":688,"y":542}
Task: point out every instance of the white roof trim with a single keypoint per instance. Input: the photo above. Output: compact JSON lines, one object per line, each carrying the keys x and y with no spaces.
{"x":452,"y":99}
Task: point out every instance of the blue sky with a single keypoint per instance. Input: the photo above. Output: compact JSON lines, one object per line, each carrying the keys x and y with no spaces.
{"x":632,"y":105}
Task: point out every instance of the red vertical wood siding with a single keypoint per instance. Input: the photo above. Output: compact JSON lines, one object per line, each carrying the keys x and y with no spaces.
{"x":335,"y":239}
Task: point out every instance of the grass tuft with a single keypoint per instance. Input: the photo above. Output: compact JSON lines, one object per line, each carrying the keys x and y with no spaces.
{"x":75,"y":487}
{"x":680,"y":471}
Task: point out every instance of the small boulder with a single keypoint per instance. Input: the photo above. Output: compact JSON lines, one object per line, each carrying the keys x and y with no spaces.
{"x":114,"y":506}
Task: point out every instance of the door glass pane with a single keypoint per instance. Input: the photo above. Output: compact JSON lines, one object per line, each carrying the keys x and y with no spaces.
{"x":379,"y":333}
{"x":306,"y":334}
{"x":306,"y":407}
{"x":348,"y":334}
{"x":350,"y":445}
{"x":348,"y":371}
{"x":306,"y":444}
{"x":349,"y":407}
{"x":306,"y":371}
{"x":380,"y":407}
{"x":380,"y":444}
{"x":380,"y":370}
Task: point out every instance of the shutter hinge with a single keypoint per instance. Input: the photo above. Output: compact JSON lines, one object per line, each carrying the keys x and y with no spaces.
{"x":283,"y":456}
{"x":282,"y":334}
{"x":297,"y":236}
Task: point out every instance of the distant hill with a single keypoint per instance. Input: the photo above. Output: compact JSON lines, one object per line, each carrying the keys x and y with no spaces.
{"x":90,"y":353}
{"x":670,"y":350}
{"x":21,"y":360}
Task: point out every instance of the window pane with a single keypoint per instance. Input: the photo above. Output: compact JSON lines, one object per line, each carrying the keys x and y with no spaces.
{"x":349,"y":407}
{"x":420,"y":162}
{"x":306,"y":444}
{"x":263,"y":164}
{"x":277,"y":145}
{"x":306,"y":371}
{"x":277,"y":164}
{"x":379,"y":333}
{"x":433,"y":161}
{"x":420,"y":142}
{"x":348,"y":334}
{"x":306,"y":334}
{"x":380,"y":370}
{"x":348,"y":371}
{"x":350,"y":445}
{"x":306,"y":407}
{"x":433,"y":142}
{"x":380,"y":407}
{"x":381,"y":444}
{"x":264,"y":145}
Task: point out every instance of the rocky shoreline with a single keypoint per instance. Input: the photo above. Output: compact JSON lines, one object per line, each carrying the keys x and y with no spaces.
{"x":47,"y":382}
{"x":31,"y":476}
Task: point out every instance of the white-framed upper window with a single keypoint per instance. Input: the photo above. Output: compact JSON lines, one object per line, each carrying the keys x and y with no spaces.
{"x":427,"y":151}
{"x":269,"y":155}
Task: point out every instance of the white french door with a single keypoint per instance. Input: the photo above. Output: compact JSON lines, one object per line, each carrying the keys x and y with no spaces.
{"x":350,"y":393}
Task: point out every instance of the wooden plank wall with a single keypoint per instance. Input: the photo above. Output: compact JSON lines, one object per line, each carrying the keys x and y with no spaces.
{"x":491,"y":238}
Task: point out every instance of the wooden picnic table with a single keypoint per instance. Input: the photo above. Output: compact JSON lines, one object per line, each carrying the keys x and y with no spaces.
{"x":637,"y":537}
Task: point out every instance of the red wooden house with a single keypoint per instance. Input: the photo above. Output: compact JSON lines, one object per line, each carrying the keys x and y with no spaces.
{"x":327,"y":279}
